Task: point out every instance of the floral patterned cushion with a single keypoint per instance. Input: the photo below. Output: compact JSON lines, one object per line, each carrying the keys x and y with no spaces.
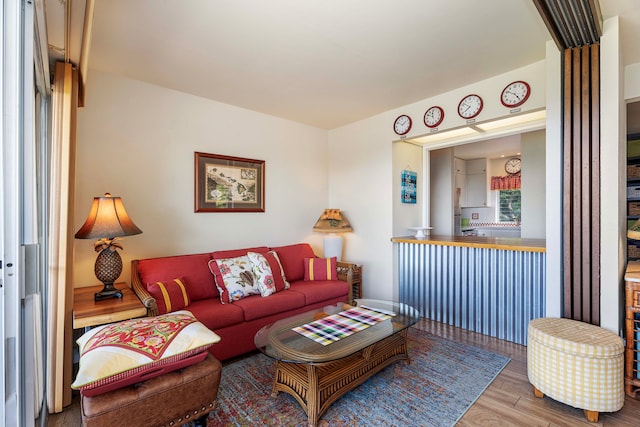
{"x":268,"y":272}
{"x":112,"y":353}
{"x":234,"y":278}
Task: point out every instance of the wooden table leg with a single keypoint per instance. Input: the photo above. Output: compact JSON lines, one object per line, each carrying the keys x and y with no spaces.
{"x":313,"y":395}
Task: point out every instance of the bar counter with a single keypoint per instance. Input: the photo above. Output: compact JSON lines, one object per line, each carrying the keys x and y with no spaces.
{"x":506,"y":243}
{"x":490,"y":285}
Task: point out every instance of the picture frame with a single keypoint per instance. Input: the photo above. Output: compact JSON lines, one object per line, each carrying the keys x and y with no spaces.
{"x":228,"y":184}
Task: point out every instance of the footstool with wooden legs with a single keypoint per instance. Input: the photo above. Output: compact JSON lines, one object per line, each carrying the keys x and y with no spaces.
{"x":576,"y":363}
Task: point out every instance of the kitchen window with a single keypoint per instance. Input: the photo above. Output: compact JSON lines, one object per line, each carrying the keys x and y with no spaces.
{"x":509,"y":205}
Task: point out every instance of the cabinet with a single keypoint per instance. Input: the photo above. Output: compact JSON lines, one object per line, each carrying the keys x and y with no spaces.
{"x":633,"y":192}
{"x":632,"y":329}
{"x":476,"y":183}
{"x":459,"y":183}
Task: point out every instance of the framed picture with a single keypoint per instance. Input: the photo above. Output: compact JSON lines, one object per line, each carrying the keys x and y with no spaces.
{"x":408,"y":186}
{"x":228,"y":184}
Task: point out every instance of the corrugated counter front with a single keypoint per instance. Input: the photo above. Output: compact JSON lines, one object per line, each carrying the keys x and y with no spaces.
{"x":490,"y":285}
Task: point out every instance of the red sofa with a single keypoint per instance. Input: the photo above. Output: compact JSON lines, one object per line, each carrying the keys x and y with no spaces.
{"x":237,"y":323}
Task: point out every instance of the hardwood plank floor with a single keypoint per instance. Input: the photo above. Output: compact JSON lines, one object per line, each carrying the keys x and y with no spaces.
{"x":508,"y":401}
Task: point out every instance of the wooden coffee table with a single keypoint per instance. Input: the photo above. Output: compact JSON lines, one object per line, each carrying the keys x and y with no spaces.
{"x":317,"y":375}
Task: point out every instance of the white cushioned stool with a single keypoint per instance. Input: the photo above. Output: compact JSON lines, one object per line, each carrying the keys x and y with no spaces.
{"x":576,"y":363}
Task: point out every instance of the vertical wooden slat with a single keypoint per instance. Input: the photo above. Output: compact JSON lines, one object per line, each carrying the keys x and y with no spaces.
{"x":576,"y":183}
{"x":585,"y":178}
{"x":568,"y":189}
{"x":595,"y":183}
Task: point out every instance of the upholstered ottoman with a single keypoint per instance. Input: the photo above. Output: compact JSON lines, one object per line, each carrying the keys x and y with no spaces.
{"x":171,"y":399}
{"x":576,"y":363}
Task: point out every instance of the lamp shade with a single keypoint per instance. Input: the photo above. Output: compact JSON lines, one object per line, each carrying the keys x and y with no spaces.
{"x":107,"y":218}
{"x":332,"y":221}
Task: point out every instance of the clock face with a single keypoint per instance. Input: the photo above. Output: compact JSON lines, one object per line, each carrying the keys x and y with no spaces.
{"x":433,"y":117}
{"x":515,"y":94}
{"x":470,"y":106}
{"x":513,"y":165}
{"x":402,"y":124}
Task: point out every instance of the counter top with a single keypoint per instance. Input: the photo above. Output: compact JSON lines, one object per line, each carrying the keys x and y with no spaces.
{"x":504,"y":243}
{"x":632,"y":274}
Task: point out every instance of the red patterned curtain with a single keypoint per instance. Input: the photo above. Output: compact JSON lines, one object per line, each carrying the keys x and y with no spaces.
{"x":509,"y":182}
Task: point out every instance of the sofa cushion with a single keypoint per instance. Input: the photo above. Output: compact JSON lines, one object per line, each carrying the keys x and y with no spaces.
{"x":234,"y":278}
{"x":170,"y":295}
{"x":232,"y":253}
{"x":318,"y":291}
{"x":193,"y":268}
{"x":292,"y":259}
{"x":215,"y":315}
{"x":268,"y":272}
{"x":114,"y":352}
{"x":258,"y":307}
{"x":320,"y":269}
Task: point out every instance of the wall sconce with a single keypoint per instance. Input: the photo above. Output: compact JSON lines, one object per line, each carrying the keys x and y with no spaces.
{"x":107,"y":221}
{"x":332,"y":221}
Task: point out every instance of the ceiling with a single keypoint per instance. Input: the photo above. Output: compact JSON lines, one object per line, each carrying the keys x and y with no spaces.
{"x":322,"y":63}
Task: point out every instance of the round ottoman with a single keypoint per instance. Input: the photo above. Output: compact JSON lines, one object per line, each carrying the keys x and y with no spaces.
{"x":576,"y":363}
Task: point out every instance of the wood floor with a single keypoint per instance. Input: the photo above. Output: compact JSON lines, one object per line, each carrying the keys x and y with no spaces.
{"x":509,"y":400}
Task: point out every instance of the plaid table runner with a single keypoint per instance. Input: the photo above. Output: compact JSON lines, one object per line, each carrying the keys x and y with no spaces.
{"x":337,"y":326}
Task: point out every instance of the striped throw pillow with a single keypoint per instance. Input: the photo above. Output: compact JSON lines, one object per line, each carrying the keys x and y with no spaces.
{"x":170,"y":295}
{"x":320,"y":269}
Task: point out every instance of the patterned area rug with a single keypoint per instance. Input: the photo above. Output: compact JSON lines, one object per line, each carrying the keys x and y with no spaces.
{"x":442,"y":381}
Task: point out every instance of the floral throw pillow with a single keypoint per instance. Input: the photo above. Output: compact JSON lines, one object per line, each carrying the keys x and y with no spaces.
{"x":268,"y":272}
{"x":234,"y":278}
{"x":124,"y":352}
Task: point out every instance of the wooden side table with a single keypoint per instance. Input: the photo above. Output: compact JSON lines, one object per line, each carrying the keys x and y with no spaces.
{"x":88,"y":312}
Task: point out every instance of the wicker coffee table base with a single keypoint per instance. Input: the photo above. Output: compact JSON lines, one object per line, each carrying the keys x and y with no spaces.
{"x":317,"y":385}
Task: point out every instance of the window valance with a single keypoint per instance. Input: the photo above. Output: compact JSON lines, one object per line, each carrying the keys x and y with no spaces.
{"x":509,"y":182}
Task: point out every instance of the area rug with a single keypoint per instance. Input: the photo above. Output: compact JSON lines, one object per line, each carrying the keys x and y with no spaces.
{"x":442,"y":381}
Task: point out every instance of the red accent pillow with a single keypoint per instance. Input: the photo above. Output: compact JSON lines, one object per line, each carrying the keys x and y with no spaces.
{"x":292,"y":259}
{"x":170,"y":295}
{"x":320,"y":269}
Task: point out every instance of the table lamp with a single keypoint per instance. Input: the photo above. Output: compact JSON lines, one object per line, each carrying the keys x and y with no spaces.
{"x":332,"y":221}
{"x":107,"y":221}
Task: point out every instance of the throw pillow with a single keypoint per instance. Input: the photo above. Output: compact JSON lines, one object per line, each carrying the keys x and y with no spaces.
{"x":234,"y":278}
{"x":268,"y":272}
{"x":124,"y":352}
{"x":170,"y":295}
{"x":320,"y":269}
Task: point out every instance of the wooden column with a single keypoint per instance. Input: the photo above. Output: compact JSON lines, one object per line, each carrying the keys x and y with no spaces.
{"x":581,"y":192}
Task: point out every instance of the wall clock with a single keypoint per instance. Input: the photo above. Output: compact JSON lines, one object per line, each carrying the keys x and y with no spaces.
{"x":470,"y":106}
{"x":515,"y":94}
{"x":402,"y":124}
{"x":433,"y":117}
{"x":513,"y":165}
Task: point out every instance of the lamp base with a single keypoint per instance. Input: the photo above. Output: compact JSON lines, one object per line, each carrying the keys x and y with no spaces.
{"x":333,"y":246}
{"x":109,"y":291}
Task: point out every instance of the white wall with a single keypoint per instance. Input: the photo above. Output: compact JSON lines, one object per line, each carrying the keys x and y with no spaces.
{"x":441,"y":177}
{"x":137,"y":141}
{"x":532,"y":146}
{"x":613,"y":160}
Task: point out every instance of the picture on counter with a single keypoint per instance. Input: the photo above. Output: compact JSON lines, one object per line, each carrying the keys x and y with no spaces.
{"x":408,"y":186}
{"x":228,"y":184}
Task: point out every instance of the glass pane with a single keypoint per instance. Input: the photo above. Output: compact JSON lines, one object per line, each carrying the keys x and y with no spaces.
{"x":509,"y":206}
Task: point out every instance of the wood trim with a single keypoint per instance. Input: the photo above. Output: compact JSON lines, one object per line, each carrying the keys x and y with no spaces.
{"x":581,"y":185}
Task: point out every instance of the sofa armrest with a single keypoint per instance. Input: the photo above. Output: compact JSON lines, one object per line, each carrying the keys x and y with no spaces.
{"x":141,"y":291}
{"x":350,"y":273}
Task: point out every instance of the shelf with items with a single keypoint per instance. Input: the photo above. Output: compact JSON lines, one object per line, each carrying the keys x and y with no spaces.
{"x":633,"y":197}
{"x":632,"y":329}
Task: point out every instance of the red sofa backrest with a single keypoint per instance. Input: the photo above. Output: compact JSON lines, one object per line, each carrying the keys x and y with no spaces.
{"x":194,"y":269}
